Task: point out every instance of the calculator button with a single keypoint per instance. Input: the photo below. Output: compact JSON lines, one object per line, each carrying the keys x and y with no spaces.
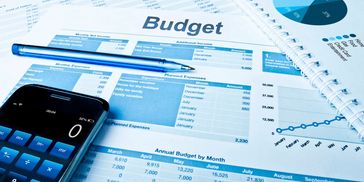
{"x":62,"y":150}
{"x":27,"y":162}
{"x":49,"y":169}
{"x":7,"y":155}
{"x":19,"y":138}
{"x":4,"y":132}
{"x":40,"y":144}
{"x":15,"y":177}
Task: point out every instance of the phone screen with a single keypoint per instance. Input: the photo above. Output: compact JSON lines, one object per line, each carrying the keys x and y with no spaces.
{"x":42,"y":130}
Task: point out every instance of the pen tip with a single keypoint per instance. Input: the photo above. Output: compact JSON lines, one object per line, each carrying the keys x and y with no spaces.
{"x":189,"y":68}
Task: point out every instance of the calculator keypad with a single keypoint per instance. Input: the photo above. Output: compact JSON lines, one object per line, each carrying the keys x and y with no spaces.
{"x":49,"y":169}
{"x":13,"y":176}
{"x":27,"y":162}
{"x":4,"y":132}
{"x":62,"y":150}
{"x":24,"y":157}
{"x":40,"y":144}
{"x":7,"y":155}
{"x":19,"y":138}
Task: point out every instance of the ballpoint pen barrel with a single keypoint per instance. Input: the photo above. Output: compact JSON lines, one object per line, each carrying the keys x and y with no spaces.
{"x":105,"y":59}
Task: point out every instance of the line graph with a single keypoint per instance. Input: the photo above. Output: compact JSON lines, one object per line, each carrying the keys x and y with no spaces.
{"x":314,"y":124}
{"x":305,"y":113}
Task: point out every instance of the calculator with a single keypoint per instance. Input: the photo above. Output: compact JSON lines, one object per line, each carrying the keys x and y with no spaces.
{"x":44,"y":132}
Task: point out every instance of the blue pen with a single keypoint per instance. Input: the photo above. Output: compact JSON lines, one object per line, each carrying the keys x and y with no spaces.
{"x":106,"y":59}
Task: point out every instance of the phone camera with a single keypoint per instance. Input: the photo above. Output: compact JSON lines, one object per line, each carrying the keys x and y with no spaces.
{"x":18,"y":104}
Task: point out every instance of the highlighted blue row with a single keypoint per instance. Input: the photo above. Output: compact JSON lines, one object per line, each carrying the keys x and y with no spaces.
{"x":134,"y":93}
{"x":184,"y":81}
{"x":178,"y":51}
{"x":55,"y":76}
{"x":278,"y":63}
{"x":81,"y":42}
{"x":209,"y":165}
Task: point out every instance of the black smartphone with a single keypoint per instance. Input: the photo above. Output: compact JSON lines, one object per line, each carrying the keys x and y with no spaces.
{"x":45,"y":132}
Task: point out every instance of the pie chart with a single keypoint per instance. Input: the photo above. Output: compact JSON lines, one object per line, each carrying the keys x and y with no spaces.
{"x":312,"y":12}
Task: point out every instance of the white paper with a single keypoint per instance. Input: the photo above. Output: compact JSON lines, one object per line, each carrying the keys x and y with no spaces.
{"x":18,"y":17}
{"x":330,"y":32}
{"x":230,"y":120}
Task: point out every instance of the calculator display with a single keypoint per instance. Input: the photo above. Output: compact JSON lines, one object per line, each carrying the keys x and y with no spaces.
{"x":42,"y":131}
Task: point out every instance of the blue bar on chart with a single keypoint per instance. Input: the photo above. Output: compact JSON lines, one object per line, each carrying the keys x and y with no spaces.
{"x":113,"y":164}
{"x":241,"y":58}
{"x":86,"y":81}
{"x":211,"y":110}
{"x":91,"y":43}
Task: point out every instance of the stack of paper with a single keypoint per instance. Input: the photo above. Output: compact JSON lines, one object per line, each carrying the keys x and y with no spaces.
{"x":245,"y":114}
